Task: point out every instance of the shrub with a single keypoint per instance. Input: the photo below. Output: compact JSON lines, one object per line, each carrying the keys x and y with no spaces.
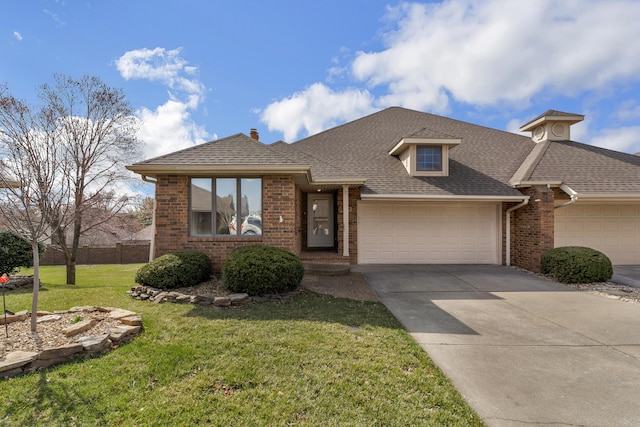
{"x":576,"y":264}
{"x":257,"y":270}
{"x":15,"y":253}
{"x":175,"y":270}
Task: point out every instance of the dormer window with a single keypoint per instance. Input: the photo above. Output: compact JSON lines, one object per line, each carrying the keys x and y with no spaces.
{"x":425,"y":153}
{"x":428,"y":158}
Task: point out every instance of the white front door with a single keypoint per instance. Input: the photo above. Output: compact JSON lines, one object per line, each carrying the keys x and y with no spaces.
{"x":320,"y":221}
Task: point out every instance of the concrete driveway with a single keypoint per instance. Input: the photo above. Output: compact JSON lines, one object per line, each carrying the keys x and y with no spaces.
{"x":522,"y":350}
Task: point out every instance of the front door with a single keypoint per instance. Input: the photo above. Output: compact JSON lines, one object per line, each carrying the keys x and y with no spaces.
{"x":320,"y":221}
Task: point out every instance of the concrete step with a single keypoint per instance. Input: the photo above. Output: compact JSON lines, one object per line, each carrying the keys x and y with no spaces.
{"x":316,"y":268}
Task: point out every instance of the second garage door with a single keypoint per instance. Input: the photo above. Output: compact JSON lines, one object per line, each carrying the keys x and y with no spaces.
{"x":428,"y":233}
{"x":613,"y":229}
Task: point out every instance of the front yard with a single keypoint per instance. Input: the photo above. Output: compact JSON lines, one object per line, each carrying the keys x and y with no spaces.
{"x":313,"y":360}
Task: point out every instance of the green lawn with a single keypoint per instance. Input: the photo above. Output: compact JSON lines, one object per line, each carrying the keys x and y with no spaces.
{"x":312,"y":361}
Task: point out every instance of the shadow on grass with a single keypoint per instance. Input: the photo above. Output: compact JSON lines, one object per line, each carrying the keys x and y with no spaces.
{"x":307,"y":306}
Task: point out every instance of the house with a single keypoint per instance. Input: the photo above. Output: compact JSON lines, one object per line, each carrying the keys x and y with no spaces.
{"x":402,"y":186}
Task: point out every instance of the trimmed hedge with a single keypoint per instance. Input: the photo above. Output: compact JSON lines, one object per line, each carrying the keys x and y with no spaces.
{"x":175,"y":270}
{"x":258,"y":270}
{"x":577,"y":264}
{"x":15,"y":252}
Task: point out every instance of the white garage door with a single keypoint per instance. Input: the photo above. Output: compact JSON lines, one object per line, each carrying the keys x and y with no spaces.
{"x":428,"y":233}
{"x":612,"y":229}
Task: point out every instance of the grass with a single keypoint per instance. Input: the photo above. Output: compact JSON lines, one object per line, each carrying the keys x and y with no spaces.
{"x":314,"y":360}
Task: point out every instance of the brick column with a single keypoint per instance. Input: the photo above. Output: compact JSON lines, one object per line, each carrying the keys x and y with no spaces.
{"x":532,"y":228}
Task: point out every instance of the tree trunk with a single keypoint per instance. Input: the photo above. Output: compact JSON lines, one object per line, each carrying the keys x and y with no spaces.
{"x":71,"y":272}
{"x":36,"y":283}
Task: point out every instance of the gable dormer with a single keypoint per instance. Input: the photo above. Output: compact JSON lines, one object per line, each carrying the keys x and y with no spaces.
{"x":552,"y":125}
{"x":426,"y":152}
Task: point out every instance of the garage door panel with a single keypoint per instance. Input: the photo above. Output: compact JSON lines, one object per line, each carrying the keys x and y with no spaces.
{"x":610,"y":228}
{"x":428,"y":233}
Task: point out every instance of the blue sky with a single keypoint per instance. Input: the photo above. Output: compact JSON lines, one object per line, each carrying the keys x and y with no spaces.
{"x":199,"y":70}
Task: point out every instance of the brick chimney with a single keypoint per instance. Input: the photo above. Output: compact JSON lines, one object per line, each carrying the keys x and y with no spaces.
{"x":254,"y":134}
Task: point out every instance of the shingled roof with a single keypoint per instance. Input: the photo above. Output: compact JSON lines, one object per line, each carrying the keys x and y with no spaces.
{"x":481,"y":165}
{"x":486,"y":163}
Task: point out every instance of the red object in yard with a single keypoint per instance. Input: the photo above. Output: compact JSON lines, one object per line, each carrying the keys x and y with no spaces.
{"x":4,"y":278}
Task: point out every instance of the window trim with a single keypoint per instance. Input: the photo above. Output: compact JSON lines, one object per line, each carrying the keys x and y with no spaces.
{"x":213,"y":208}
{"x":427,"y":146}
{"x":444,"y":161}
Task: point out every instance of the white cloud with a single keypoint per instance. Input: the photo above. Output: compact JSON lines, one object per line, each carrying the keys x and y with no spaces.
{"x":17,"y":35}
{"x":491,"y":53}
{"x":629,"y":110}
{"x":625,"y":139}
{"x":314,"y":109}
{"x":169,"y":126}
{"x":163,"y":65}
{"x":497,"y":51}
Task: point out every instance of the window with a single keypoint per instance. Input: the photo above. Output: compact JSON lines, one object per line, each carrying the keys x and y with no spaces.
{"x":236,"y":209}
{"x":429,"y":158}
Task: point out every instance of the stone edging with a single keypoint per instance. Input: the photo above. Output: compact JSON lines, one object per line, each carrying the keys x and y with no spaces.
{"x":161,"y":296}
{"x":20,"y":362}
{"x":148,"y":293}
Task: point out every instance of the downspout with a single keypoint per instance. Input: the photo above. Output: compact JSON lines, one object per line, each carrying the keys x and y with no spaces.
{"x":511,"y":209}
{"x":152,"y":244}
{"x":571,"y":193}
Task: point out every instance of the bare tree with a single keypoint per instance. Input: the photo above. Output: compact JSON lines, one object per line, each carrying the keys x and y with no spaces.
{"x":98,"y":136}
{"x":33,"y":186}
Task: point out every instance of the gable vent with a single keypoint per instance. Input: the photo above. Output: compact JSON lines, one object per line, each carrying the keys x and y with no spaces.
{"x":552,"y":126}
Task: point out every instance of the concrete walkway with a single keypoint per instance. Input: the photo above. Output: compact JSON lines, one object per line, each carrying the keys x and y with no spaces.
{"x":522,"y":350}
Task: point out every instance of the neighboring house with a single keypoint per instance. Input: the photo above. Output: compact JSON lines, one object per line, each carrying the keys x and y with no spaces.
{"x":402,"y":186}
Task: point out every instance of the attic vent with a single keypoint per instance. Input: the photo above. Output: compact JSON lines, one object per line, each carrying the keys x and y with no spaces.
{"x":552,"y":126}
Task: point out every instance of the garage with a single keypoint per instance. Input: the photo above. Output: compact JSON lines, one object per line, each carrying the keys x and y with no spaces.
{"x":428,"y":232}
{"x":613,"y":229}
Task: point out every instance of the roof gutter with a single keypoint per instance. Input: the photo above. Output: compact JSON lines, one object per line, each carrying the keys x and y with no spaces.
{"x":508,"y":243}
{"x":572,"y":194}
{"x":442,"y":197}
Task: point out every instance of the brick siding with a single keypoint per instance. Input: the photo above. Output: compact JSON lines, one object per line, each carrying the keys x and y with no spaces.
{"x":532,"y":228}
{"x":279,"y":200}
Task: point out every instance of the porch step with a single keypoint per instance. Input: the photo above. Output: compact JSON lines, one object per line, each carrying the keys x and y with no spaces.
{"x":315,"y":268}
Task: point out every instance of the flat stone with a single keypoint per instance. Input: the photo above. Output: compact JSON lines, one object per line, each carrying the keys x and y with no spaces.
{"x":120,"y":332}
{"x":88,"y":308}
{"x":62,"y":351}
{"x":161,"y":297}
{"x":202,"y":300}
{"x":238,"y":298}
{"x":183,"y":298}
{"x":10,"y":318}
{"x":49,"y":318}
{"x":17,"y":359}
{"x":95,"y":343}
{"x":43,"y":313}
{"x":80,"y":327}
{"x":131,"y":320}
{"x":221,"y":301}
{"x":120,"y":313}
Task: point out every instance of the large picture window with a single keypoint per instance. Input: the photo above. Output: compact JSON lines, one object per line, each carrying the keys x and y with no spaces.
{"x":236,"y":209}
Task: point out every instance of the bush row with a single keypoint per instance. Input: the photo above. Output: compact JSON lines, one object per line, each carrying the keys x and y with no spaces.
{"x":255,"y":270}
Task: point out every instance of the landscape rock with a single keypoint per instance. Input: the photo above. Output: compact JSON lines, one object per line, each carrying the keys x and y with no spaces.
{"x":80,"y":327}
{"x":20,"y":362}
{"x":48,"y":318}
